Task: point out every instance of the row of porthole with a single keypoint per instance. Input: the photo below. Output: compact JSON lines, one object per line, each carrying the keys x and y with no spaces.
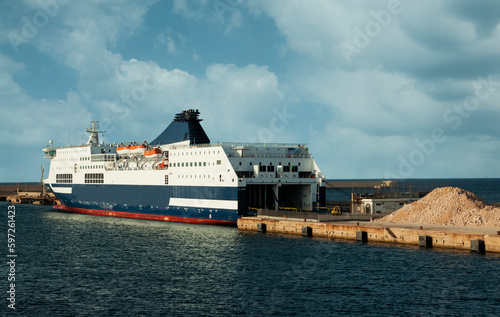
{"x":72,"y":151}
{"x":86,"y":167}
{"x":271,"y":164}
{"x":204,"y":176}
{"x":193,"y":164}
{"x":191,"y":176}
{"x":191,"y":153}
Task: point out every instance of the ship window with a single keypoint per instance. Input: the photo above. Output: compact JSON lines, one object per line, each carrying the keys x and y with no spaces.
{"x":94,"y":178}
{"x":191,"y":164}
{"x":182,"y":164}
{"x":64,"y":178}
{"x":166,"y":179}
{"x":219,"y":162}
{"x":199,"y":163}
{"x":204,"y":163}
{"x":240,"y":163}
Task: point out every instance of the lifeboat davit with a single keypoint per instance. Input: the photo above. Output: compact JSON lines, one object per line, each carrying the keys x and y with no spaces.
{"x":153,"y":153}
{"x":163,"y":164}
{"x":137,"y":149}
{"x":123,"y":150}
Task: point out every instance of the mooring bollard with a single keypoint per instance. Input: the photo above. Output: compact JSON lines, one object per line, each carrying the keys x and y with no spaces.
{"x":425,"y":241}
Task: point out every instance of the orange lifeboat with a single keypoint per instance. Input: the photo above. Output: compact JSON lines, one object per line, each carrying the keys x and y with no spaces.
{"x":137,"y":149}
{"x":123,"y":150}
{"x":153,"y":153}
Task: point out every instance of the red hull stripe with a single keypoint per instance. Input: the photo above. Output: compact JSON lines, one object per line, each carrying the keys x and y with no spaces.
{"x":134,"y":215}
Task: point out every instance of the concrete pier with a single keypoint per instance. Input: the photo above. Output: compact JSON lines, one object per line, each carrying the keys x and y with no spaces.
{"x":464,"y":238}
{"x":26,"y":194}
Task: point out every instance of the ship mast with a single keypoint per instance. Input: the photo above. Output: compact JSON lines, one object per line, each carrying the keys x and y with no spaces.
{"x":94,"y":133}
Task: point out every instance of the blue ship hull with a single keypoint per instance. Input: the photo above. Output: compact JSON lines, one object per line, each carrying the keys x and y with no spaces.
{"x":149,"y":202}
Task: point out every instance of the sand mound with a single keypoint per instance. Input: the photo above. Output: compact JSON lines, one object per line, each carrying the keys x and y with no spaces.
{"x":448,"y":206}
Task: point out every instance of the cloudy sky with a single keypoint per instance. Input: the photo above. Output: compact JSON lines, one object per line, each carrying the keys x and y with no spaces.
{"x":387,"y":88}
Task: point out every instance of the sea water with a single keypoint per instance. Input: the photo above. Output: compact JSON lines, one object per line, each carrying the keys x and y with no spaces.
{"x":82,"y":265}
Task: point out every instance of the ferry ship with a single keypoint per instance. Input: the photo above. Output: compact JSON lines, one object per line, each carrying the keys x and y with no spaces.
{"x":180,"y":176}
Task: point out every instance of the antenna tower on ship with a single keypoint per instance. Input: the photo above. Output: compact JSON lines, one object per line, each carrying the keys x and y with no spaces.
{"x":94,"y":133}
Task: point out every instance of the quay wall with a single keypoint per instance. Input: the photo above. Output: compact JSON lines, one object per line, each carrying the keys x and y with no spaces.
{"x":442,"y":237}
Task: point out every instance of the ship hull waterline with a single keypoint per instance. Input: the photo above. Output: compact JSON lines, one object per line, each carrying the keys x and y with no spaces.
{"x":144,"y":216}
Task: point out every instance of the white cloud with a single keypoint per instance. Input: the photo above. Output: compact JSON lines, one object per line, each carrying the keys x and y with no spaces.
{"x":27,"y":124}
{"x":221,"y":12}
{"x":230,"y":98}
{"x":193,"y":9}
{"x":363,"y":114}
{"x":413,"y":65}
{"x":164,"y":39}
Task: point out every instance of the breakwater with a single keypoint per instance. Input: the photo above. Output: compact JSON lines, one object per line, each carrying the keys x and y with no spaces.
{"x":361,"y":184}
{"x":465,"y":238}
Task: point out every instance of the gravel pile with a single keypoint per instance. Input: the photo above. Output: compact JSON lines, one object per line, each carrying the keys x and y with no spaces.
{"x":448,"y":206}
